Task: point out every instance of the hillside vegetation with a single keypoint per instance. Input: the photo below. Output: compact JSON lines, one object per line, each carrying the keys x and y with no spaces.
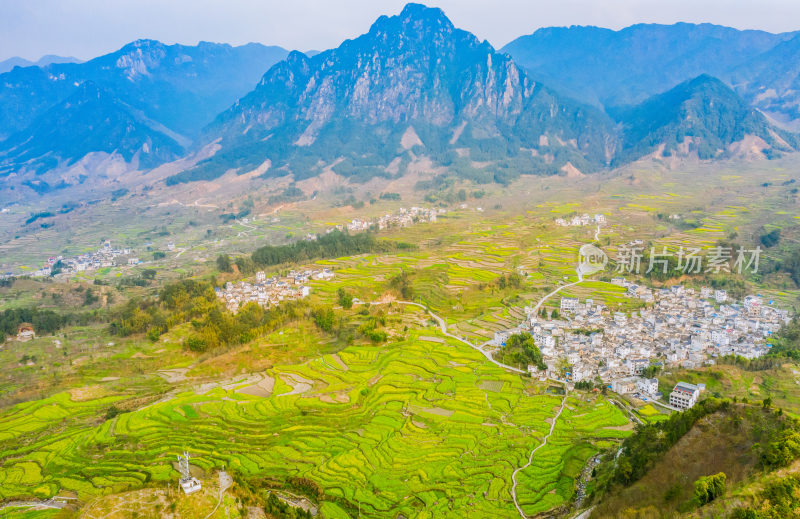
{"x":738,"y":440}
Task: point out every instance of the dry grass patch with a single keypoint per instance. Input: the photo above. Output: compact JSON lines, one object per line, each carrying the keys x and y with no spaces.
{"x":86,"y":393}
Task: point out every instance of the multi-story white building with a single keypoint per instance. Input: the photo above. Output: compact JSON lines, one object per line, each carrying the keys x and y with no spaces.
{"x":623,"y":386}
{"x":648,"y":386}
{"x":684,"y":395}
{"x":719,"y":337}
{"x":569,"y":304}
{"x":501,"y":337}
{"x":544,"y":340}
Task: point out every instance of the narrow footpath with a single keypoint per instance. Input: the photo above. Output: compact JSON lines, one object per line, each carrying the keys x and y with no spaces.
{"x":530,"y":457}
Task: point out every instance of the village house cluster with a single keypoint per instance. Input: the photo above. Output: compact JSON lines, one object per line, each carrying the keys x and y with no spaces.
{"x":581,"y":220}
{"x":402,"y":218}
{"x":105,"y":256}
{"x":268,"y":292}
{"x":680,"y":326}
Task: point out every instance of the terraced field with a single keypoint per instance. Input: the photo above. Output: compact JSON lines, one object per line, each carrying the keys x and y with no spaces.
{"x":459,"y":280}
{"x":423,"y":427}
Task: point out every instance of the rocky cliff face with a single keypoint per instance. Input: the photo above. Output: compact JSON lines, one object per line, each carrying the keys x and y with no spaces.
{"x":413,"y":85}
{"x":414,"y":69}
{"x":415,"y":66}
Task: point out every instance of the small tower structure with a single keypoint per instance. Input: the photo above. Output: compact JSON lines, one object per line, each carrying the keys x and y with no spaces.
{"x":189,"y":484}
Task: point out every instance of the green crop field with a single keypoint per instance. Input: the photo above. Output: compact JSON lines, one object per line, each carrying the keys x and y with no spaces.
{"x":420,"y":425}
{"x":415,"y":427}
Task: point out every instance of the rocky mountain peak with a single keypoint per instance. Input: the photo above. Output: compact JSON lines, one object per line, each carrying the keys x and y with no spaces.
{"x":411,"y":70}
{"x":416,"y":21}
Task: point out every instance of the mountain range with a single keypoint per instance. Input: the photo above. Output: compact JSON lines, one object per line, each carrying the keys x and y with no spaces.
{"x":561,"y":99}
{"x":413,"y":84}
{"x":45,"y":60}
{"x":168,"y":90}
{"x":92,"y":119}
{"x":702,"y":117}
{"x":608,"y":68}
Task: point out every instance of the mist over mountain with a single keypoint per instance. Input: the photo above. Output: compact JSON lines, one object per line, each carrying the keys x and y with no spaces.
{"x":45,"y":60}
{"x":135,"y":108}
{"x":92,"y":119}
{"x":771,"y":82}
{"x":183,"y":87}
{"x":610,"y":68}
{"x":607,"y":67}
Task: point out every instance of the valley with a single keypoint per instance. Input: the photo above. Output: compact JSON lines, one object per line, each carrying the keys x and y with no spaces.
{"x":353,"y":415}
{"x":408,"y":276}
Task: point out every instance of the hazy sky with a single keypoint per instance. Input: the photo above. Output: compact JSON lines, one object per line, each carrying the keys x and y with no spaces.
{"x":88,"y":28}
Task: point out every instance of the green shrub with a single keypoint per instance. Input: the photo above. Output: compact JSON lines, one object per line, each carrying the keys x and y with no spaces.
{"x":324,"y":318}
{"x":224,"y":263}
{"x":708,"y":488}
{"x":345,"y":299}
